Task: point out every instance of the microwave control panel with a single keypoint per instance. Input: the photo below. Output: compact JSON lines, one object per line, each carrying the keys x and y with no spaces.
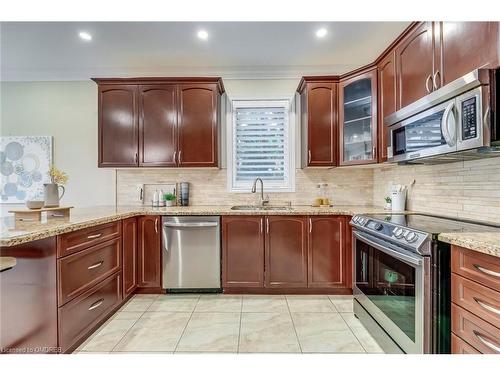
{"x":469,"y":119}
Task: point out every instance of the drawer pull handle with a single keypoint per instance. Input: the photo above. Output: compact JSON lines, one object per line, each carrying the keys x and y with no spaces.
{"x":487,"y":342}
{"x":92,"y":236}
{"x":486,"y":306}
{"x":96,"y":304}
{"x":98,"y":264}
{"x":487,"y":271}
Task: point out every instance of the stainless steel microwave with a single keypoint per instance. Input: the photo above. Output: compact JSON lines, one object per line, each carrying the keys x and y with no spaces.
{"x":456,"y":122}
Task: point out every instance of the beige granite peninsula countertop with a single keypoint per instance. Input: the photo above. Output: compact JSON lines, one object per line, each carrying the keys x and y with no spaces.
{"x":15,"y":233}
{"x":483,"y":242}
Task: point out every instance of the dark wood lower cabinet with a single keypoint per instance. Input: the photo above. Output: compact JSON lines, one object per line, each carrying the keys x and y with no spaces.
{"x":149,"y":254}
{"x":28,"y":306}
{"x":286,"y":252}
{"x":329,"y":259}
{"x":129,"y":255}
{"x":82,"y":315}
{"x":243,"y":252}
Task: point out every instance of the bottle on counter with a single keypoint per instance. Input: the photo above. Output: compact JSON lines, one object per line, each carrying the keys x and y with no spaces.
{"x":161,"y":199}
{"x":325,"y":200}
{"x":155,"y":202}
{"x":318,"y":200}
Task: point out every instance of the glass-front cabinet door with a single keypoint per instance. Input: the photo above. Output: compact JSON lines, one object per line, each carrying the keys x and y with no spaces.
{"x":358,"y":119}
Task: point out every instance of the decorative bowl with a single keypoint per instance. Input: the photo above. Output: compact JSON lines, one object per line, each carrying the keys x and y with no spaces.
{"x":34,"y":205}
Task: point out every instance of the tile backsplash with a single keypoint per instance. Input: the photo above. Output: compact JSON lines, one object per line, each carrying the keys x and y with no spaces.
{"x":469,"y":189}
{"x":465,"y":189}
{"x":209,"y":186}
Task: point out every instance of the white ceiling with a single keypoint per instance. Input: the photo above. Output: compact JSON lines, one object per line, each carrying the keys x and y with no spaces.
{"x":53,"y":50}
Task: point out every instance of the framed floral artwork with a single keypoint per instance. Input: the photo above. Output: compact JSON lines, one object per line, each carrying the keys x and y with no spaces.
{"x":24,"y":167}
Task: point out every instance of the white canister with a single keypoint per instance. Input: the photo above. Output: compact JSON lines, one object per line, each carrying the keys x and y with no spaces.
{"x":398,"y":200}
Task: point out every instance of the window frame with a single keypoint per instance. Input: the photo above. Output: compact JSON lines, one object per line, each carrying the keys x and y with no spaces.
{"x":288,"y":186}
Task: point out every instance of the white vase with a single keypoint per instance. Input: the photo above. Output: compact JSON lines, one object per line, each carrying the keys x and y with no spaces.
{"x":169,"y":203}
{"x":51,"y":194}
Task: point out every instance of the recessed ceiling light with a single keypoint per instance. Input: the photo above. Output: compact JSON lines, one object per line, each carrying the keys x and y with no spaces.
{"x":321,"y":33}
{"x":85,"y":36}
{"x":202,"y":34}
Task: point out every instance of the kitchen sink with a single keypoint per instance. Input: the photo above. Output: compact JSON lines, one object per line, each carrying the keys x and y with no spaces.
{"x":262,"y":208}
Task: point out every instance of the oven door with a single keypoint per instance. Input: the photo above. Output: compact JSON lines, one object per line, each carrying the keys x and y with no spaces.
{"x":390,"y":283}
{"x":432,"y":132}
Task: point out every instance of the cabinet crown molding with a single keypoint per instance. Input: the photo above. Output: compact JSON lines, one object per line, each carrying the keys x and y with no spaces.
{"x":160,"y":80}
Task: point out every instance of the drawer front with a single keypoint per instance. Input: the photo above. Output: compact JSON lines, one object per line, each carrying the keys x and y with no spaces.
{"x":459,"y":346}
{"x":478,"y":299}
{"x":476,"y":332}
{"x":482,"y":268}
{"x":79,"y":272}
{"x":80,"y":316}
{"x":72,"y":242}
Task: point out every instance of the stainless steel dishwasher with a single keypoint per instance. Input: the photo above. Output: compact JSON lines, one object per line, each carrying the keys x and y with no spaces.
{"x":191,"y":253}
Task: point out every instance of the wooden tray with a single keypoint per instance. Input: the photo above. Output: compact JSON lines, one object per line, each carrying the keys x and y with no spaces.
{"x":36,"y":214}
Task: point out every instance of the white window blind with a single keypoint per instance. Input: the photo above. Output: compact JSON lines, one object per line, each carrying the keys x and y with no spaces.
{"x":261,"y":144}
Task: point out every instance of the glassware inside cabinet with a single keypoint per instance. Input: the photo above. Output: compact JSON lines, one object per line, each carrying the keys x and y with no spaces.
{"x":358,"y":142}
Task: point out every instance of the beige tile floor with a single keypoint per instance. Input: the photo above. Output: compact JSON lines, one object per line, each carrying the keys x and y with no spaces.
{"x":232,"y":324}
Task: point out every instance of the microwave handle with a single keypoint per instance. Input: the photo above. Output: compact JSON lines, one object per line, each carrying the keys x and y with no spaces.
{"x":448,"y":113}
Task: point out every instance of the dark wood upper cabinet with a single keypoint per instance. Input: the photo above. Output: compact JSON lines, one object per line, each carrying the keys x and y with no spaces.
{"x":157,"y":125}
{"x":358,"y":119}
{"x":243,"y":252}
{"x":286,"y":252}
{"x":319,"y":123}
{"x":415,"y":64}
{"x":197,"y":129}
{"x":465,"y":46}
{"x":386,"y":100}
{"x":329,"y":259}
{"x":159,"y":122}
{"x":129,"y":249}
{"x":117,"y":126}
{"x":149,"y":255}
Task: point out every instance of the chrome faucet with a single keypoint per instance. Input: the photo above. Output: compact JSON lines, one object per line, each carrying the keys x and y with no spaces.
{"x":263,"y":201}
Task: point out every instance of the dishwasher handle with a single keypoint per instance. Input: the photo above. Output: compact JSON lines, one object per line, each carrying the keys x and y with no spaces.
{"x":191,"y":225}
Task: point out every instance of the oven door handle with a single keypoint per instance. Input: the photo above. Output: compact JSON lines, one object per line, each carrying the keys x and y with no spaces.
{"x":396,"y":254}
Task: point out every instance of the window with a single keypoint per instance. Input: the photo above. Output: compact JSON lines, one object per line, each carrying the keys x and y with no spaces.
{"x":262,"y":140}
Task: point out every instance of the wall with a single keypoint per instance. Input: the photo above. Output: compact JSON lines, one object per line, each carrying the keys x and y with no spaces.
{"x":468,"y":189}
{"x":346,"y":186}
{"x":68,"y":112}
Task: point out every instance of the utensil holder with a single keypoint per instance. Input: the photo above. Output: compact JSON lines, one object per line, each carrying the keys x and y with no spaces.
{"x":398,"y":199}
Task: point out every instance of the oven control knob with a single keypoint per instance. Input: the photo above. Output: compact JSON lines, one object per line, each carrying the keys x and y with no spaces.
{"x":398,"y":232}
{"x":378,"y":226}
{"x":363,"y":220}
{"x":411,"y":237}
{"x":355,"y":219}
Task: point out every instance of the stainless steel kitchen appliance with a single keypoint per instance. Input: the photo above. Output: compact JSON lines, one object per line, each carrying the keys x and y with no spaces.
{"x":456,"y":122}
{"x":401,"y":281}
{"x":191,"y":253}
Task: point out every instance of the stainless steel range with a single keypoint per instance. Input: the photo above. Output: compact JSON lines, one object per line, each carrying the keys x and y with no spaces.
{"x":402,"y":279}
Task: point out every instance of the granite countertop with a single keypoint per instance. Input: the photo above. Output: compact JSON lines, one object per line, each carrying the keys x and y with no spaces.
{"x":15,"y":233}
{"x":483,"y":242}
